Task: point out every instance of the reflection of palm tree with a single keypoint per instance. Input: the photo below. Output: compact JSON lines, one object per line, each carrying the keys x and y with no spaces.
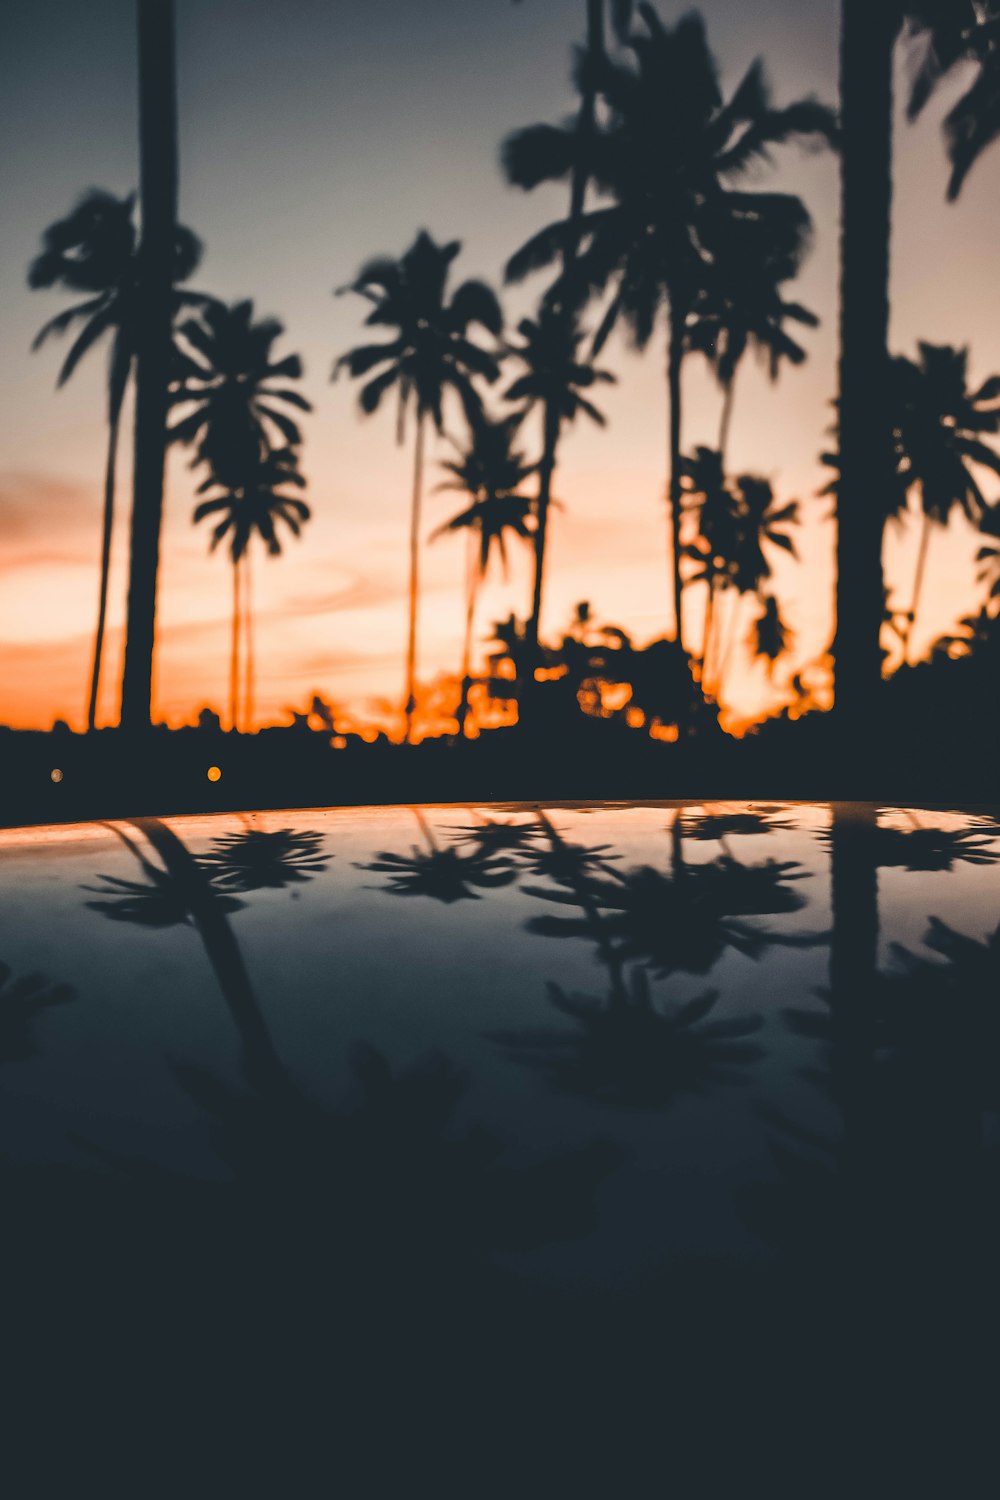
{"x":931,"y":849}
{"x":709,"y":827}
{"x":179,"y":892}
{"x":497,"y":836}
{"x":669,"y":143}
{"x":21,"y":1000}
{"x":553,"y":378}
{"x":685,"y":919}
{"x":430,"y":353}
{"x":443,"y":874}
{"x":246,"y":503}
{"x":256,"y":860}
{"x":626,"y":1050}
{"x":490,"y":472}
{"x":94,"y":251}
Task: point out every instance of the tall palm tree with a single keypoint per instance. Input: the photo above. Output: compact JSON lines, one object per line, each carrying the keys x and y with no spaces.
{"x":250,"y":504}
{"x":939,"y":431}
{"x":664,"y":158}
{"x":94,"y":251}
{"x":553,"y":378}
{"x":742,"y":305}
{"x":490,"y":471}
{"x":429,"y":354}
{"x":761,"y":523}
{"x":158,"y":202}
{"x":868,"y":39}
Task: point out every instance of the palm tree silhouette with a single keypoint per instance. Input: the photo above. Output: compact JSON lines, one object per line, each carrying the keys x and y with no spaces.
{"x":941,"y":426}
{"x":760,"y":522}
{"x":967,"y":31}
{"x":94,"y":251}
{"x":988,"y":556}
{"x":662,"y":157}
{"x":770,"y":636}
{"x":158,"y":204}
{"x":21,"y":1001}
{"x":714,"y":549}
{"x":868,"y":40}
{"x":256,"y":860}
{"x":741,"y":305}
{"x":490,"y":471}
{"x":251,"y":503}
{"x":553,"y":378}
{"x":236,"y":414}
{"x":429,"y":354}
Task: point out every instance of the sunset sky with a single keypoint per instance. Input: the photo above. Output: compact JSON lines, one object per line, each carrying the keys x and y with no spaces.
{"x":312,"y":135}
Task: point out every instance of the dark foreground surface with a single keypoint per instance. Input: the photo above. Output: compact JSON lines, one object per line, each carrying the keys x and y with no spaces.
{"x":628,"y":1149}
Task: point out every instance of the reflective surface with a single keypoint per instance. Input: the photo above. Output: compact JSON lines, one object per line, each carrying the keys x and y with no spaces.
{"x":485,"y":1116}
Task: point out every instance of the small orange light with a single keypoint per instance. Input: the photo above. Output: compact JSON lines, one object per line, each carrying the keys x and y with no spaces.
{"x":55,"y":774}
{"x":214,"y":774}
{"x":339,"y":742}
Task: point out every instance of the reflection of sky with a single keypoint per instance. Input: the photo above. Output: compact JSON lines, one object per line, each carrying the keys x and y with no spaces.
{"x":336,"y":959}
{"x":312,"y":136}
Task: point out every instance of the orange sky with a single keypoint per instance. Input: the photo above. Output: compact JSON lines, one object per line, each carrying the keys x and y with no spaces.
{"x":286,"y":226}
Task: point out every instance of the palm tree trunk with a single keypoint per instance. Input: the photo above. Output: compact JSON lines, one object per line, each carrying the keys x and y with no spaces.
{"x":675,"y":357}
{"x":248,"y":645}
{"x":918,"y":584}
{"x":707,"y":637}
{"x":116,"y":395}
{"x":867,"y":39}
{"x":414,"y":592}
{"x":585,"y":123}
{"x":158,"y":192}
{"x":234,"y":653}
{"x":546,"y":469}
{"x":471,"y":591}
{"x":726,"y":419}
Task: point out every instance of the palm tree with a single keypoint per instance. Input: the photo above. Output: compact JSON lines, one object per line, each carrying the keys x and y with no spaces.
{"x":868,"y":39}
{"x":939,"y":434}
{"x":158,"y":202}
{"x":770,"y":637}
{"x":968,"y":30}
{"x":742,"y":305}
{"x":430,"y":353}
{"x":490,"y":471}
{"x":663,"y":158}
{"x":444,"y":875}
{"x":250,"y":503}
{"x":94,"y":251}
{"x":237,"y":407}
{"x":233,"y":387}
{"x":257,"y":860}
{"x":988,"y":556}
{"x":553,"y":378}
{"x":714,"y":548}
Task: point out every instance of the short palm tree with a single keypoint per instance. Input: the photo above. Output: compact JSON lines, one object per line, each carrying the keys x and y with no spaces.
{"x":664,"y":159}
{"x":249,"y":504}
{"x":762,"y":523}
{"x":742,"y":305}
{"x":770,"y":637}
{"x":713,"y":502}
{"x":490,"y":471}
{"x":236,"y":403}
{"x":553,"y":378}
{"x":94,"y":251}
{"x":429,"y":353}
{"x":940,"y":430}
